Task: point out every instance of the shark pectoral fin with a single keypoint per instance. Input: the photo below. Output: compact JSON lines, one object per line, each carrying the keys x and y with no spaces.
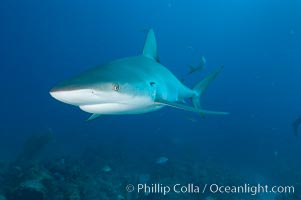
{"x":93,"y":116}
{"x":150,"y":46}
{"x":189,"y":108}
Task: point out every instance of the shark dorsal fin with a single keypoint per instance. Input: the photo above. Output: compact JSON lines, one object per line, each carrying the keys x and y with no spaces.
{"x":150,"y":46}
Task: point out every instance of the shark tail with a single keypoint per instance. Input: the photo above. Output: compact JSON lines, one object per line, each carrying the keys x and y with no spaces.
{"x":201,"y":87}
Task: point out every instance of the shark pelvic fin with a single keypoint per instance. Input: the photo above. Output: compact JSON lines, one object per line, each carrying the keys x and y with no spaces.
{"x":189,"y":108}
{"x":93,"y":116}
{"x":150,"y":46}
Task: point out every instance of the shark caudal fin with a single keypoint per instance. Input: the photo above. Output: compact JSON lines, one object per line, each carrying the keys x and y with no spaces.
{"x":201,"y":87}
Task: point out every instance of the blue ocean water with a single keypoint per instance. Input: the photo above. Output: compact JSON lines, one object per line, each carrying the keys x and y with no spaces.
{"x":257,"y":41}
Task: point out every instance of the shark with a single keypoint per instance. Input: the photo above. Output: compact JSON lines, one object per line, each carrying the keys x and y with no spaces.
{"x":199,"y":67}
{"x":132,"y":85}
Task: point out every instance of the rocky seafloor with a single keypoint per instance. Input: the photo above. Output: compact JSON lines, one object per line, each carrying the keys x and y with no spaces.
{"x":100,"y":175}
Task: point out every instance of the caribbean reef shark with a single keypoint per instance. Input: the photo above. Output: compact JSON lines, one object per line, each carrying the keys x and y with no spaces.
{"x":199,"y":67}
{"x":132,"y":85}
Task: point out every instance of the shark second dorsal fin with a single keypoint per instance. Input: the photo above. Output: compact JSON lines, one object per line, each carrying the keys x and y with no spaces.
{"x":150,"y":46}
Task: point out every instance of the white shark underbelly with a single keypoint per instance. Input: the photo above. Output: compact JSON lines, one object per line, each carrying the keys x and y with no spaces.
{"x":119,"y":108}
{"x":130,"y":105}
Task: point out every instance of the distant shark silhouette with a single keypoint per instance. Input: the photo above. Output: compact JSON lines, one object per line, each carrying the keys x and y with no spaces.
{"x":199,"y":67}
{"x":132,"y":85}
{"x":296,"y":124}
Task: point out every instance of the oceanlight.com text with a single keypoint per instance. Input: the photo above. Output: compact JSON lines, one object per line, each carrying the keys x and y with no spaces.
{"x":191,"y":188}
{"x":250,"y":189}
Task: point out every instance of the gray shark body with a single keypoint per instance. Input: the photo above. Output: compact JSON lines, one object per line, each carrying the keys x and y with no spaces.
{"x":132,"y":85}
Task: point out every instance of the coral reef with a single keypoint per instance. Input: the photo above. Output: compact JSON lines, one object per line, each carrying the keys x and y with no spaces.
{"x":98,"y":175}
{"x":70,"y":179}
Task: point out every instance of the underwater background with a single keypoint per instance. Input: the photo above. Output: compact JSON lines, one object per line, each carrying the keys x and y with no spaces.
{"x":49,"y":151}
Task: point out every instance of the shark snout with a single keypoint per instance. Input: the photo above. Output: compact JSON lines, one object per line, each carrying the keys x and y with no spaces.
{"x":74,"y":96}
{"x":54,"y":90}
{"x":65,"y":87}
{"x":61,"y":94}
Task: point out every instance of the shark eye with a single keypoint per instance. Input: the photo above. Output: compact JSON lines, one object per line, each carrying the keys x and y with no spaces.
{"x":152,"y":83}
{"x":115,"y":87}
